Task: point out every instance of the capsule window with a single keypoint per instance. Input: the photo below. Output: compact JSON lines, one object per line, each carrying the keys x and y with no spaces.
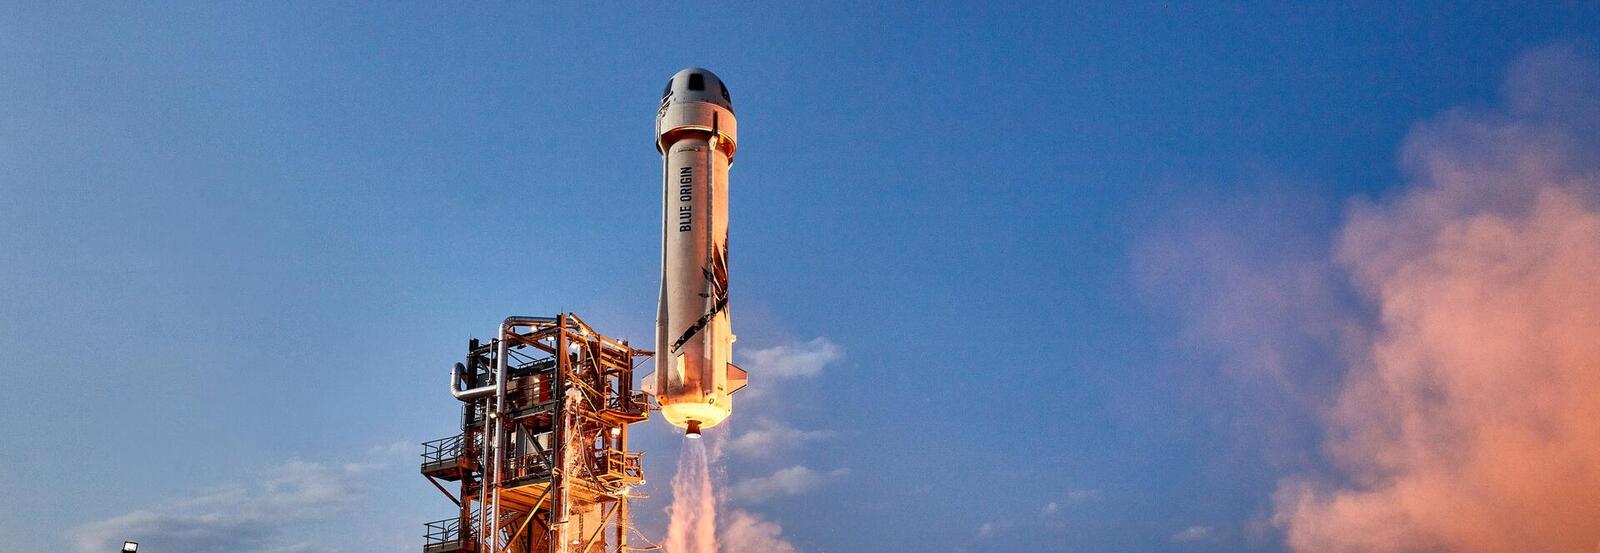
{"x":724,"y":88}
{"x":697,"y":81}
{"x":665,"y":92}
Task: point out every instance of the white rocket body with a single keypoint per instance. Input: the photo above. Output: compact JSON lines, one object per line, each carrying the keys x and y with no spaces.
{"x":696,"y":134}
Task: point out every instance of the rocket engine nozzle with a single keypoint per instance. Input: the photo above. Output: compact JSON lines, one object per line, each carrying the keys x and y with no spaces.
{"x":693,"y":431}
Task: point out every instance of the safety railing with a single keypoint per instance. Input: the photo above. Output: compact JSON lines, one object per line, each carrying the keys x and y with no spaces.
{"x":442,"y":532}
{"x":442,"y":450}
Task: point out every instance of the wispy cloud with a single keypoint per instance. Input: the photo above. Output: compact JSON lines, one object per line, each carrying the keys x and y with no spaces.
{"x":1193,"y":533}
{"x":803,"y":359}
{"x":1080,"y":496}
{"x":1265,"y":319}
{"x":989,"y":529}
{"x":771,"y":438}
{"x":401,"y":450}
{"x":1255,"y":288}
{"x":793,"y":480}
{"x":236,"y":518}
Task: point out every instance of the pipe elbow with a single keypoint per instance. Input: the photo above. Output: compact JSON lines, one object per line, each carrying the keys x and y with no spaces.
{"x":516,"y":320}
{"x":456,"y":374}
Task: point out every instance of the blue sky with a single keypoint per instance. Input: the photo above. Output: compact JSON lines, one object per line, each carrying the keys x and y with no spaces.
{"x":241,"y":244}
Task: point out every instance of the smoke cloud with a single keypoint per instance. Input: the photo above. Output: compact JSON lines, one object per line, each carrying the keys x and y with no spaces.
{"x":746,"y":531}
{"x":1469,"y":420}
{"x":1251,"y":278}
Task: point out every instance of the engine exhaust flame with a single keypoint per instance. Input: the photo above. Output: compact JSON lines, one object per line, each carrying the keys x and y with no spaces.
{"x":693,"y":524}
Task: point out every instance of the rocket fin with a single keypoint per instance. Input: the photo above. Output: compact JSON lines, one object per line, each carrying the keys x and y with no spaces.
{"x":649,"y":383}
{"x":737,"y":378}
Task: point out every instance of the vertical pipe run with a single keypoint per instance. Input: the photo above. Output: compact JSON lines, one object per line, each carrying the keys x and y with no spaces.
{"x":498,"y":416}
{"x":563,"y":365}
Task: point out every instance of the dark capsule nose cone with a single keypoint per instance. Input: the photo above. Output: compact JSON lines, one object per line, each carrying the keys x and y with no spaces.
{"x":693,"y":431}
{"x":698,"y":85}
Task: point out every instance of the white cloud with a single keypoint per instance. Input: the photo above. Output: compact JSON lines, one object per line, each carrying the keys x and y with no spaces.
{"x":989,"y":529}
{"x":746,"y":531}
{"x":235,"y":518}
{"x":804,"y":359}
{"x":311,"y":489}
{"x":771,"y":438}
{"x":201,"y":533}
{"x":398,"y":450}
{"x":1051,"y":509}
{"x":794,"y":480}
{"x":1192,"y":533}
{"x":1079,"y":496}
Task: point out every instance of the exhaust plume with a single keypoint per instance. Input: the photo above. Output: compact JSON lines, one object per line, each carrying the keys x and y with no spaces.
{"x":692,"y":527}
{"x":1470,"y":421}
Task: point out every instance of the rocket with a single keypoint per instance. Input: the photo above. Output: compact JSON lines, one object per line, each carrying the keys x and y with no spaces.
{"x":696,"y":135}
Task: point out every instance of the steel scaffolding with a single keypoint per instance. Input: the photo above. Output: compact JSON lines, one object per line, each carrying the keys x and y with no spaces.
{"x":542,"y":458}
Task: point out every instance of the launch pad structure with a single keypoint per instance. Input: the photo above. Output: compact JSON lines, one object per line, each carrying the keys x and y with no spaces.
{"x":542,"y":460}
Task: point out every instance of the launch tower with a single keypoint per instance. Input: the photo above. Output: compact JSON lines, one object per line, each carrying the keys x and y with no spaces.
{"x":542,"y":460}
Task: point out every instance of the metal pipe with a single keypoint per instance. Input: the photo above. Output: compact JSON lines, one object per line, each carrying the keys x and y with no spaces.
{"x":564,"y":451}
{"x":497,"y":456}
{"x":501,"y":372}
{"x":456,"y":377}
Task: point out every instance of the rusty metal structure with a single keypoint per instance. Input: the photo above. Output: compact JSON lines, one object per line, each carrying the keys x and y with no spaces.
{"x":542,"y":460}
